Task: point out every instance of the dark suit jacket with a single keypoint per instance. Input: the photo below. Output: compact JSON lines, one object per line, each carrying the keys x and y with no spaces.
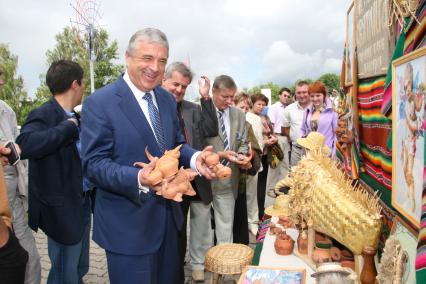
{"x":115,"y":133}
{"x":200,"y":122}
{"x":55,"y":183}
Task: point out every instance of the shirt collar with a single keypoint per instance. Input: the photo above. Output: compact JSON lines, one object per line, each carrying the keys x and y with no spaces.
{"x":135,"y":90}
{"x":300,"y":107}
{"x":225,"y":111}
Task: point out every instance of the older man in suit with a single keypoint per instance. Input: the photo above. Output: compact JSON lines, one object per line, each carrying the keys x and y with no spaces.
{"x":57,"y":203}
{"x":197,"y":122}
{"x":232,"y":145}
{"x":137,"y":228}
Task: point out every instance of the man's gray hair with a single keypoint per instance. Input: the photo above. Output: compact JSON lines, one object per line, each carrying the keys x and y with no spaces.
{"x":224,"y":82}
{"x":151,"y":35}
{"x":178,"y":67}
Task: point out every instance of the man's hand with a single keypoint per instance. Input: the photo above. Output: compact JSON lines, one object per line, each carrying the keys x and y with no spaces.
{"x":204,"y":89}
{"x":243,"y":161}
{"x":202,"y":166}
{"x":74,"y":120}
{"x":4,"y":152}
{"x":147,"y":169}
{"x":228,"y":155}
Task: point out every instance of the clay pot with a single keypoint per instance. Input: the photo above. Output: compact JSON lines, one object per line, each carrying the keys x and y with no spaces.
{"x":336,"y":255}
{"x":348,"y":263}
{"x":284,"y":244}
{"x":320,"y":237}
{"x":322,"y":252}
{"x":302,"y":243}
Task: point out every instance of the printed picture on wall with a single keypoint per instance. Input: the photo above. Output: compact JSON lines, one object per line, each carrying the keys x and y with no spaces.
{"x":408,"y":130}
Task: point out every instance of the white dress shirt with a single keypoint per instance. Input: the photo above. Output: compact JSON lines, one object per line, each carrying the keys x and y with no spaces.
{"x":293,"y":118}
{"x":139,"y":97}
{"x":276,"y":114}
{"x":143,"y":104}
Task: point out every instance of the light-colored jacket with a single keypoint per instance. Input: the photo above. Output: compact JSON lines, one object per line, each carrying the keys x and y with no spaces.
{"x":237,"y":143}
{"x":9,"y":128}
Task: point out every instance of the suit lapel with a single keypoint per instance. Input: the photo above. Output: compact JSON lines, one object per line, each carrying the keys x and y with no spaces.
{"x":131,"y":109}
{"x":188,"y":117}
{"x":232,"y":128}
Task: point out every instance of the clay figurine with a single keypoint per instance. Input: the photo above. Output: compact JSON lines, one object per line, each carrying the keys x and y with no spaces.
{"x":285,"y":221}
{"x":166,"y":166}
{"x":179,"y":185}
{"x":213,"y":161}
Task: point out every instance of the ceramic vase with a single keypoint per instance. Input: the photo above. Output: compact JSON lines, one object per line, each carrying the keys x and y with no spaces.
{"x":302,"y":243}
{"x":369,"y":272}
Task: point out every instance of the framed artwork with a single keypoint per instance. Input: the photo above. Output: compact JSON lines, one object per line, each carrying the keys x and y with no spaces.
{"x":272,"y":275}
{"x":408,"y":133}
{"x":407,"y":237}
{"x":350,"y":46}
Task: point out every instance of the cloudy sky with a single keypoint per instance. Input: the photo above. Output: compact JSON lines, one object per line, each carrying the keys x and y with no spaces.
{"x":253,"y":41}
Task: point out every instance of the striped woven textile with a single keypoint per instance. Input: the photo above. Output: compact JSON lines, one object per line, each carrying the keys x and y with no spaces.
{"x":374,"y":129}
{"x":349,"y":158}
{"x":413,"y":39}
{"x":421,"y":247}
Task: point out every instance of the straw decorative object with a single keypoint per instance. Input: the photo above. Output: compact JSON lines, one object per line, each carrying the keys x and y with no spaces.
{"x":322,"y":195}
{"x":228,"y":258}
{"x":299,"y":180}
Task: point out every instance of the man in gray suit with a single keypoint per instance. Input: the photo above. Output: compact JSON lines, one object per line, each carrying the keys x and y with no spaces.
{"x":16,"y":177}
{"x":231,"y":144}
{"x":197,"y":122}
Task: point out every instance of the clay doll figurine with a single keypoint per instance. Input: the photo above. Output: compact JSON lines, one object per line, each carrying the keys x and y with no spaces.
{"x":285,"y":221}
{"x":179,"y":185}
{"x":213,"y":161}
{"x":165,"y":167}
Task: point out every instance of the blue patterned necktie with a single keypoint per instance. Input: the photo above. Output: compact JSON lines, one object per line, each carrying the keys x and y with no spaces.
{"x":224,"y":135}
{"x":154,"y":116}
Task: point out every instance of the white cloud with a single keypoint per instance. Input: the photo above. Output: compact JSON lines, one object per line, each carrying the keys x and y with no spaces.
{"x":253,"y":41}
{"x":282,"y":64}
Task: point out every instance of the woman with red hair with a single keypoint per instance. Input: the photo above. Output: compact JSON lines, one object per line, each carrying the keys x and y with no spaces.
{"x":320,"y":116}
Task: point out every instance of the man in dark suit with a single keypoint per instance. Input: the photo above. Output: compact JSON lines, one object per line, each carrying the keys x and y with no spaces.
{"x":137,"y":228}
{"x":197,"y":122}
{"x":57,"y":203}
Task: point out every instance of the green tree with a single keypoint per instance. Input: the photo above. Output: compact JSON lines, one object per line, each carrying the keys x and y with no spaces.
{"x":331,"y":80}
{"x":13,"y":92}
{"x":274,"y":90}
{"x":72,"y":46}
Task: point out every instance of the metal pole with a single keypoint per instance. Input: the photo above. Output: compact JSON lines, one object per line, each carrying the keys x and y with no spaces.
{"x":92,"y":58}
{"x":92,"y":77}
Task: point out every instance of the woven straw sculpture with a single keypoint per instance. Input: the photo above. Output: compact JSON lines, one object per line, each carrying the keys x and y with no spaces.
{"x":322,"y":195}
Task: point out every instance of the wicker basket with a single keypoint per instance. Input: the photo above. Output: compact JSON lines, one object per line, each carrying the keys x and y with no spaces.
{"x":228,"y":258}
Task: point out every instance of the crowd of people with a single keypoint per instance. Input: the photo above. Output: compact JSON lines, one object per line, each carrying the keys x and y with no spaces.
{"x":81,"y":166}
